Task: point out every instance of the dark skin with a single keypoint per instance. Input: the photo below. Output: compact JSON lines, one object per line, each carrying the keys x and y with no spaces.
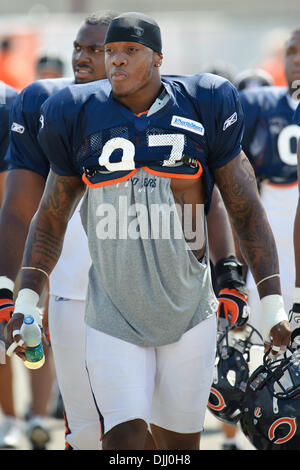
{"x":236,"y":182}
{"x":88,"y":53}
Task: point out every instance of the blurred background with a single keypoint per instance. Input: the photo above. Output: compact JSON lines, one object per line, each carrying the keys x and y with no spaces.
{"x":198,"y":35}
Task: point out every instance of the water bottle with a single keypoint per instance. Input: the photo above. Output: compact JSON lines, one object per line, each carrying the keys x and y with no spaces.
{"x":31,"y":334}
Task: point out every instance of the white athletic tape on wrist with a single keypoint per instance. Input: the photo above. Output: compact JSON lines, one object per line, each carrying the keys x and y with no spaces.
{"x":11,"y":349}
{"x":26,"y":303}
{"x":297,"y":295}
{"x":15,"y":333}
{"x":6,"y":283}
{"x":14,"y":346}
{"x":273,"y":312}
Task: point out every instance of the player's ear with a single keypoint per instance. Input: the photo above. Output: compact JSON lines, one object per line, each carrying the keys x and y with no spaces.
{"x":158,"y":58}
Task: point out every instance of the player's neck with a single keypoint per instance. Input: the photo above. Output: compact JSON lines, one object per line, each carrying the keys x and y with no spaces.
{"x":141,"y":100}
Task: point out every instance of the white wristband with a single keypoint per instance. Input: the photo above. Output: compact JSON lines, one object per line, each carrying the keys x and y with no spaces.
{"x":26,"y":303}
{"x":6,"y":283}
{"x":296,"y":295}
{"x":273,"y":312}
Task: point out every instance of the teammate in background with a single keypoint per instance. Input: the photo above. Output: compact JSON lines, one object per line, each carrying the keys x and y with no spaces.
{"x":41,"y":380}
{"x":152,"y":319}
{"x":49,"y":67}
{"x":252,"y":78}
{"x":294,"y":314}
{"x":7,"y":96}
{"x":28,"y":171}
{"x":270,"y":141}
{"x":9,"y":426}
{"x":221,"y":68}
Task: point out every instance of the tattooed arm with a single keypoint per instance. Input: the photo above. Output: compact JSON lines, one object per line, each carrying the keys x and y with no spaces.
{"x":45,"y":238}
{"x":237,"y":184}
{"x":236,"y":181}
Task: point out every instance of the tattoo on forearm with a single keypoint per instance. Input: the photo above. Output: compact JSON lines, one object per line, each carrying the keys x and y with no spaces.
{"x":46,"y":244}
{"x":45,"y":239}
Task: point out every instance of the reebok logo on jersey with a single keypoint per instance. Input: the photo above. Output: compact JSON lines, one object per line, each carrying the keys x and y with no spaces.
{"x":15,"y":127}
{"x":42,"y":121}
{"x":231,"y":120}
{"x":188,"y":124}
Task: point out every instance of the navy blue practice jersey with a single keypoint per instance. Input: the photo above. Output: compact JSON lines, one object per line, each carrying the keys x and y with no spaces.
{"x":7,"y":97}
{"x":85,"y":131}
{"x":297,"y":115}
{"x":270,"y":137}
{"x":24,"y":151}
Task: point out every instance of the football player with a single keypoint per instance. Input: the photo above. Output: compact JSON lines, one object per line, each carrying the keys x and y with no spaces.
{"x":295,"y":310}
{"x":150,"y":301}
{"x":68,"y":282}
{"x":270,"y":142}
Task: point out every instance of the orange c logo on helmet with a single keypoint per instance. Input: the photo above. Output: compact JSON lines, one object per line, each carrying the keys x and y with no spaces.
{"x":221,"y":403}
{"x":293,"y":427}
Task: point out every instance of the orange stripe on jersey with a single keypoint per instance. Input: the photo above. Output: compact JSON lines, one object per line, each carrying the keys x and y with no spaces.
{"x":175,"y":175}
{"x":109,"y":182}
{"x":149,"y":170}
{"x":143,"y":112}
{"x":287,"y":185}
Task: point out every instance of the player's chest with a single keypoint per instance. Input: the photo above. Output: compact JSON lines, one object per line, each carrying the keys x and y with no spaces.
{"x":124,"y":142}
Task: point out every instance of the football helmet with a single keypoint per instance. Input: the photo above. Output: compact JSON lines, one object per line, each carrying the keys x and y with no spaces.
{"x":271,"y":407}
{"x":231,"y":372}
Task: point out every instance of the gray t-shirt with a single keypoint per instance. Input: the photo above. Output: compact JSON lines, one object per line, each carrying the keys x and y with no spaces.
{"x":145,"y":284}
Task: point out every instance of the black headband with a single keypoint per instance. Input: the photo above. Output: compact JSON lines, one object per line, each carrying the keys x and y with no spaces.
{"x":133,"y":28}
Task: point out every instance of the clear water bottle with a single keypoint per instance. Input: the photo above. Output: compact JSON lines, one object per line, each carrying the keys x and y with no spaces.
{"x":31,"y":334}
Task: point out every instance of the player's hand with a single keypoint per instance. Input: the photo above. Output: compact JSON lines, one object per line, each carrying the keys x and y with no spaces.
{"x":294,"y":319}
{"x":233,"y":309}
{"x":280,"y":337}
{"x":15,"y":344}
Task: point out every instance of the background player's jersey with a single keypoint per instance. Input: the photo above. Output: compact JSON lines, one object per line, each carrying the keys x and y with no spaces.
{"x":85,"y":131}
{"x":270,"y":137}
{"x":297,"y":115}
{"x":70,"y":276}
{"x":7,"y":97}
{"x":23,"y":152}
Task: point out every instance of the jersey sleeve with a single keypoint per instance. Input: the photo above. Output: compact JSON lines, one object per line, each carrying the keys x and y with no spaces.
{"x":54,"y":136}
{"x":229,"y":125}
{"x":24,"y":151}
{"x":7,"y":97}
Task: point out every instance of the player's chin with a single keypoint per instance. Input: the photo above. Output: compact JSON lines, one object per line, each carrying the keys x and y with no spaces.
{"x":120,"y":92}
{"x":84,"y":77}
{"x":80,"y":80}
